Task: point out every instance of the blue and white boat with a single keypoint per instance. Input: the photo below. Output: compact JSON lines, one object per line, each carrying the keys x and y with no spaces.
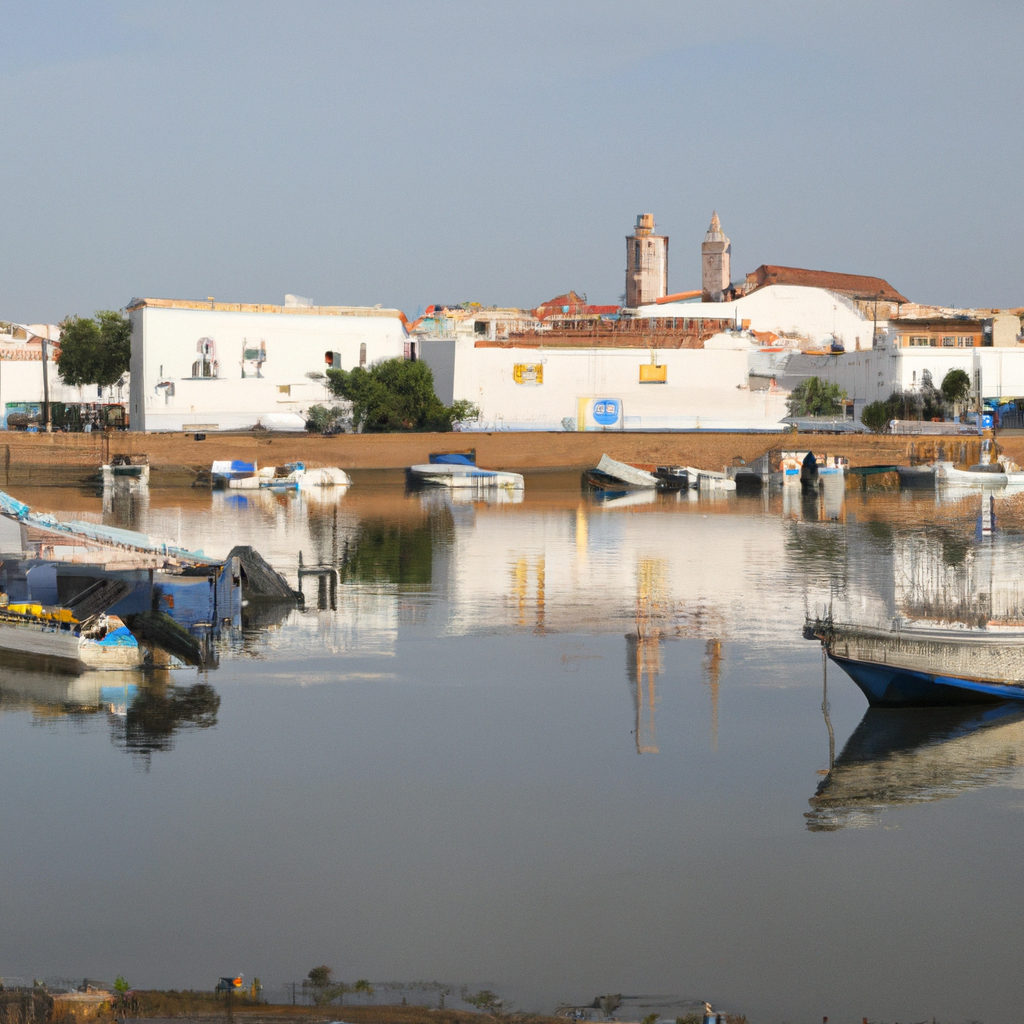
{"x":457,"y":469}
{"x":913,"y":666}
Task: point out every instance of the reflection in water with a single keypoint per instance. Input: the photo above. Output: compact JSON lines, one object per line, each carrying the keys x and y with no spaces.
{"x":911,"y":755}
{"x":644,"y":648}
{"x":643,"y":658}
{"x":388,"y":552}
{"x":712,"y":670}
{"x":144,"y":710}
{"x":159,"y":711}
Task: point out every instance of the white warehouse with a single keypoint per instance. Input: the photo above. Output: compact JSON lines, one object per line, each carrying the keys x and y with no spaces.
{"x":230,"y":366}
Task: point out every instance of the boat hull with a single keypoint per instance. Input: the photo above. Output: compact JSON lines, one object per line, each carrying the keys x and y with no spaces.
{"x":442,"y":475}
{"x":62,"y":650}
{"x":889,"y":686}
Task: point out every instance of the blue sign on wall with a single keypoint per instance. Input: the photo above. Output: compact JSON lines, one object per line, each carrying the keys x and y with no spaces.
{"x":986,"y":421}
{"x":606,"y":411}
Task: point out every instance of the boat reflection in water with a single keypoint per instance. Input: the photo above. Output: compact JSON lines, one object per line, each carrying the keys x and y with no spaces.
{"x":900,"y":756}
{"x":145,"y":711}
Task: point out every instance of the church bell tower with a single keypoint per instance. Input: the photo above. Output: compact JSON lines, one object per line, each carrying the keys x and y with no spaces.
{"x":715,"y":253}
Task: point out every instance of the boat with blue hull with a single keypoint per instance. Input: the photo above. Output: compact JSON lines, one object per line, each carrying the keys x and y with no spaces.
{"x":926,"y":667}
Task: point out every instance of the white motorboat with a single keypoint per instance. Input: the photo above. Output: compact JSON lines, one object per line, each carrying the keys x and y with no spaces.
{"x":458,"y":470}
{"x":987,"y":475}
{"x":295,"y":476}
{"x":326,"y":476}
{"x":237,"y":475}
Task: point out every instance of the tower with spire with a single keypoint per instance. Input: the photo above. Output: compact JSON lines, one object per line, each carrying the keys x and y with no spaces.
{"x":646,"y":263}
{"x":715,"y":253}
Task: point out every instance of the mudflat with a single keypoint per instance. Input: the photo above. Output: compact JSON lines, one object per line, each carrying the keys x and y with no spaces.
{"x":177,"y":459}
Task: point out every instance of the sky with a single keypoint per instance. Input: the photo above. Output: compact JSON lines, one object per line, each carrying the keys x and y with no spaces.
{"x":415,"y":151}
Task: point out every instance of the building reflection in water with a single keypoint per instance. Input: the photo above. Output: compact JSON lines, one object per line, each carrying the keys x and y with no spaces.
{"x":712,"y":669}
{"x":900,"y":756}
{"x":644,"y":649}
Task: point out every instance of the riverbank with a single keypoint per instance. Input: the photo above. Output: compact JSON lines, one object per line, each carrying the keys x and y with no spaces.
{"x":179,"y":459}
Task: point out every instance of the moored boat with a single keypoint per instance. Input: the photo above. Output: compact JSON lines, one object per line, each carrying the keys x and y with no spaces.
{"x":460,"y":470}
{"x":615,"y":477}
{"x":991,"y":474}
{"x":238,"y":475}
{"x":53,"y":636}
{"x":926,"y":667}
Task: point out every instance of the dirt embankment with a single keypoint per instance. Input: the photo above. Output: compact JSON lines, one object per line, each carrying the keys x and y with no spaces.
{"x":177,"y":459}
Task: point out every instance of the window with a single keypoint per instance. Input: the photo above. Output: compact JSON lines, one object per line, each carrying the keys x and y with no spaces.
{"x":919,"y":342}
{"x":362,"y":353}
{"x":965,"y":341}
{"x":636,"y":256}
{"x":949,"y":342}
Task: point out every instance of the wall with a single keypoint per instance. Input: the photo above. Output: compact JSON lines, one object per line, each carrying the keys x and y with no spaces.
{"x":439,"y":355}
{"x":1006,"y":330}
{"x":812,"y":313}
{"x":164,"y":348}
{"x":704,"y":388}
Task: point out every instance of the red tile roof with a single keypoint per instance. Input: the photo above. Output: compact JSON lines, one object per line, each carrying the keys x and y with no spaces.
{"x":855,"y":285}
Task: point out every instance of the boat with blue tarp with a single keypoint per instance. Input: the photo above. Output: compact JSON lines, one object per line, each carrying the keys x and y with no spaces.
{"x":459,"y":469}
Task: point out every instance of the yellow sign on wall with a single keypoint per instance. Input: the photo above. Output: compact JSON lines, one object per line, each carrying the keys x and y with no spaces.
{"x":651,"y":374}
{"x":528,"y":373}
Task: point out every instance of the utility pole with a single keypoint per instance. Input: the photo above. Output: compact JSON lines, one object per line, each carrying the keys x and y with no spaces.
{"x":46,"y":389}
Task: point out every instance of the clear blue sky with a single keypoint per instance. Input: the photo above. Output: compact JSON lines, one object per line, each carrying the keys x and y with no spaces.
{"x":407,"y":152}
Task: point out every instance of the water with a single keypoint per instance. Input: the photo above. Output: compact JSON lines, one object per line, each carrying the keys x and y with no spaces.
{"x":556,"y":748}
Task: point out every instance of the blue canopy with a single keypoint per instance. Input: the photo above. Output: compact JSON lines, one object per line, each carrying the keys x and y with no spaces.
{"x":452,"y":459}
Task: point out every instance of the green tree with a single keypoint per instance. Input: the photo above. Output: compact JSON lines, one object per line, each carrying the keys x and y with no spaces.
{"x":319,"y":980}
{"x":120,"y":985}
{"x":95,"y":351}
{"x":320,"y":417}
{"x":875,"y":417}
{"x":956,"y":386}
{"x":396,"y":394}
{"x":485,"y":1000}
{"x":815,"y":397}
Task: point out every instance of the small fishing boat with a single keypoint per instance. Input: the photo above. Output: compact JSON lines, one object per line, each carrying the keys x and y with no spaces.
{"x":237,"y":475}
{"x":914,"y":666}
{"x":458,"y":469}
{"x":989,"y":474}
{"x":613,"y":477}
{"x":616,"y":477}
{"x":54,"y":636}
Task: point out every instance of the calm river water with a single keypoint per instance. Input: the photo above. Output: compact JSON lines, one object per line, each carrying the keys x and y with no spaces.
{"x":557,"y":748}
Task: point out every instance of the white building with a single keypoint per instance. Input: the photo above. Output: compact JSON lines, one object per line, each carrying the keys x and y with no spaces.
{"x":816,"y":316}
{"x":552,"y":388}
{"x":230,"y":366}
{"x":997,"y":374}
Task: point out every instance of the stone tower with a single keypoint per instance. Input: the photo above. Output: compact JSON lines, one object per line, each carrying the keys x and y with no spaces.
{"x":714,"y":258}
{"x":646,"y":263}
